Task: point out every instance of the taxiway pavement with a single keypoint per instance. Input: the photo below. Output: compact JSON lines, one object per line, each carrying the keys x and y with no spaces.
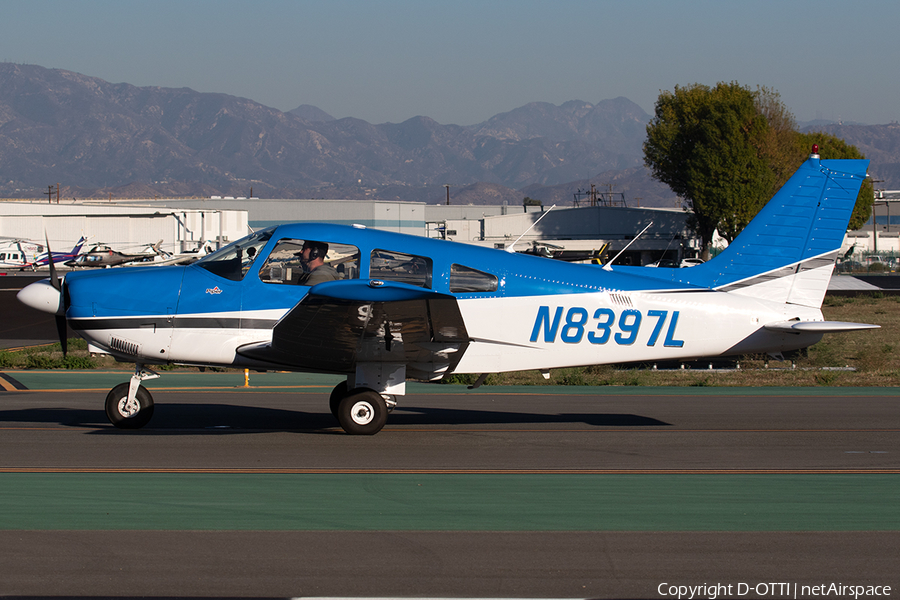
{"x":497,"y":492}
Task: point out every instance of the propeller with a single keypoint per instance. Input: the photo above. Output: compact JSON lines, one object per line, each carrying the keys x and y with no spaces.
{"x":54,"y":280}
{"x":61,"y":329}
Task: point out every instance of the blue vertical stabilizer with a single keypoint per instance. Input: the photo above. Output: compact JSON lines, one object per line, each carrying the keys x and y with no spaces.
{"x":787,"y":252}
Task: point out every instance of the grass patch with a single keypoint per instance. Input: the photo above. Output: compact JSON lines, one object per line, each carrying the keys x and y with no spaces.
{"x":51,"y":356}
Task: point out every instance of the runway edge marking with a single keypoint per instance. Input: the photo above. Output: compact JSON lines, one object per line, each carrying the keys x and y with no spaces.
{"x":10,"y":384}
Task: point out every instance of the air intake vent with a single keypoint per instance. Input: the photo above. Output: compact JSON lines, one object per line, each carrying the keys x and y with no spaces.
{"x":124,"y":346}
{"x":620,"y":299}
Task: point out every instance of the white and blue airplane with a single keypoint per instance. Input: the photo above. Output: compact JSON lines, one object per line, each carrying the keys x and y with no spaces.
{"x":382,"y":308}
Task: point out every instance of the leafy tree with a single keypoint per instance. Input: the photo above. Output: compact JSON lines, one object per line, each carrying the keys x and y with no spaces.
{"x":726,"y":150}
{"x":779,"y":142}
{"x":709,"y":145}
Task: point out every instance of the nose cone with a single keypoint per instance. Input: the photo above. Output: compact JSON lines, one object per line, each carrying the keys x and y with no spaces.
{"x":42,"y":296}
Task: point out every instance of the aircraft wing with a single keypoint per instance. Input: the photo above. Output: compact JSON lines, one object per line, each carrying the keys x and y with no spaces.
{"x":817,"y":326}
{"x":341,"y":323}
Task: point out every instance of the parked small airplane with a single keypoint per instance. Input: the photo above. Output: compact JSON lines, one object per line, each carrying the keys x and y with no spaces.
{"x":102,"y":255}
{"x":182,"y":258}
{"x":50,"y":256}
{"x":674,"y":263}
{"x":548,"y":250}
{"x":382,"y":307}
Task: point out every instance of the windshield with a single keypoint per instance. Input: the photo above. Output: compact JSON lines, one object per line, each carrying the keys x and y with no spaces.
{"x":234,"y":260}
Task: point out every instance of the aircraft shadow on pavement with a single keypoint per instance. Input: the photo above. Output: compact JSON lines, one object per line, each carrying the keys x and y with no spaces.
{"x":176,"y":419}
{"x":455,"y":416}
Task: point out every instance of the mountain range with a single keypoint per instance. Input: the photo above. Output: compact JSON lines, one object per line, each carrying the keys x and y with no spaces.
{"x":97,"y":138}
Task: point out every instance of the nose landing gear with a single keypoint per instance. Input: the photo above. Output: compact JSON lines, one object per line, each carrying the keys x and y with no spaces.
{"x":130,"y":405}
{"x":129,"y":413}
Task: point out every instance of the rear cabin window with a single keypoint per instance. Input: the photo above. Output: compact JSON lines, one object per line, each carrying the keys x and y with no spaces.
{"x":466,"y":280}
{"x":400,"y":267}
{"x":286,"y":264}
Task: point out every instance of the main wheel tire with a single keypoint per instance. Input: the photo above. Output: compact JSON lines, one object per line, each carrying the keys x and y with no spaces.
{"x":362,"y":412}
{"x":337,"y":394}
{"x":125,"y":415}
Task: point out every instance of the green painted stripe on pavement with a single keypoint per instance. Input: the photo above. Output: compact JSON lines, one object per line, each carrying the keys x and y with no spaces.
{"x":58,"y":380}
{"x":449,"y":502}
{"x":105,"y":380}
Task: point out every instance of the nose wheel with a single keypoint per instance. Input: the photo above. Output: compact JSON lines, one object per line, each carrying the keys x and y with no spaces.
{"x":129,"y":413}
{"x":130,"y":405}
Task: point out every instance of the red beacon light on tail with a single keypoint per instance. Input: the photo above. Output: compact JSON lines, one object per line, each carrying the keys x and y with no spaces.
{"x":815,"y":151}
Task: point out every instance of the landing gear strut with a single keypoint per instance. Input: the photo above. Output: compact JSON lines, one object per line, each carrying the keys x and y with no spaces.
{"x":130,"y":405}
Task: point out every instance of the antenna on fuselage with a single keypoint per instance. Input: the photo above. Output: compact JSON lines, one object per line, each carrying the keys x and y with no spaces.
{"x":538,"y":220}
{"x":608,"y":265}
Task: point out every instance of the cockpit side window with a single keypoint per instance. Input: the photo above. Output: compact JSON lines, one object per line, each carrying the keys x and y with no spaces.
{"x":289,"y":264}
{"x":234,"y":260}
{"x":466,"y":280}
{"x":401,"y":267}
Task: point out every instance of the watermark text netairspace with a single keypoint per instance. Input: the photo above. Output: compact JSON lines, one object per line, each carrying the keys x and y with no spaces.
{"x":714,"y":591}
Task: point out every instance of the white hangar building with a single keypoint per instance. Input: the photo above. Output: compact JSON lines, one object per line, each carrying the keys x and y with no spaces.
{"x":572,"y":229}
{"x":124,"y":228}
{"x":129,"y":225}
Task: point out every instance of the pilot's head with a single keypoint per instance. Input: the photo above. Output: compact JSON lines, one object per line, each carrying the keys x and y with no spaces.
{"x":314,"y":252}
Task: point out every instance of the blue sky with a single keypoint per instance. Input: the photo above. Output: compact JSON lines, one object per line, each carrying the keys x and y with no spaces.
{"x":464,"y":61}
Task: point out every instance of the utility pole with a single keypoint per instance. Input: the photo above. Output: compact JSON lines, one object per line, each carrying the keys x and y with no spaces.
{"x":874,"y":231}
{"x":49,"y":194}
{"x":57,"y":193}
{"x":875,"y":194}
{"x":447,"y":185}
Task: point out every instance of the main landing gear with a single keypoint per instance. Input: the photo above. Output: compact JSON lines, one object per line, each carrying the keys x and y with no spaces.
{"x":360,"y":411}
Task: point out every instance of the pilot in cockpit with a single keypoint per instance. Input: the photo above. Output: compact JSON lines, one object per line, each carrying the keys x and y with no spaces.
{"x":312,"y":258}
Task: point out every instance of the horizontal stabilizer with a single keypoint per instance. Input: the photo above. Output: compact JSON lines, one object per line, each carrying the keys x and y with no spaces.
{"x":817,"y":326}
